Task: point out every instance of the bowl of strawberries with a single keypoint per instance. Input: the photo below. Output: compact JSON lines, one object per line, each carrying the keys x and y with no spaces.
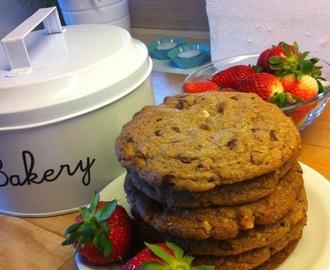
{"x":281,"y":74}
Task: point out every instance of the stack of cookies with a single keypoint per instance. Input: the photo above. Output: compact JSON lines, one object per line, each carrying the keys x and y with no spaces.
{"x":216,"y":174}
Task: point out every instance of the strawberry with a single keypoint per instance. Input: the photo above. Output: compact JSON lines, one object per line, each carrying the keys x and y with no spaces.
{"x":200,"y":86}
{"x":263,"y":84}
{"x":305,"y":88}
{"x":286,"y":59}
{"x":162,"y":256}
{"x":101,"y":233}
{"x":282,"y":51}
{"x":299,"y":114}
{"x":263,"y":58}
{"x":301,"y":90}
{"x":231,"y":76}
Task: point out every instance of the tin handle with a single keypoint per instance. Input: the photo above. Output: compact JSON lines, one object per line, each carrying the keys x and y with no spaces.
{"x":14,"y":44}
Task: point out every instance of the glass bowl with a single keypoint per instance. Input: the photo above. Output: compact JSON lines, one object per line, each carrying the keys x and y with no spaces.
{"x":303,"y":114}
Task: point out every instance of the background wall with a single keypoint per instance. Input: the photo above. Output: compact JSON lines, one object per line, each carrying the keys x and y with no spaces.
{"x":169,"y":14}
{"x":238,"y":27}
{"x":250,"y":28}
{"x":149,"y":14}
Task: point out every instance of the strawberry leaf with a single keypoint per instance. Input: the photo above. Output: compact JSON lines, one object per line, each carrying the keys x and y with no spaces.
{"x":176,"y":262}
{"x":94,"y":202}
{"x":88,"y":232}
{"x":321,"y":87}
{"x":314,"y":60}
{"x":84,"y":212}
{"x":72,"y":228}
{"x":151,"y":265}
{"x":73,"y":238}
{"x":178,"y":252}
{"x":161,"y":253}
{"x":188,"y":259}
{"x":106,"y":211}
{"x":287,"y":49}
{"x":105,"y":245}
{"x":307,"y":67}
{"x":279,"y":99}
{"x":203,"y":267}
{"x":296,"y":48}
{"x":276,"y":60}
{"x":105,"y":227}
{"x":303,"y":55}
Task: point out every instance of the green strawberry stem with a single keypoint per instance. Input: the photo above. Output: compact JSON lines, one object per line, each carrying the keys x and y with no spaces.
{"x":93,"y":227}
{"x":178,"y":262}
{"x":285,"y":99}
{"x":280,"y":99}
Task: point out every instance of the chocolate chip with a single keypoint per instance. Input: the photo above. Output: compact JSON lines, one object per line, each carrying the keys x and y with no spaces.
{"x":204,"y":126}
{"x":225,"y":246}
{"x":221,"y":107}
{"x":232,"y":144}
{"x":211,"y":180}
{"x":129,"y":138}
{"x":200,"y":167}
{"x":273,"y":137}
{"x":254,"y":130}
{"x":168,"y":180}
{"x":176,"y":129}
{"x":179,"y":105}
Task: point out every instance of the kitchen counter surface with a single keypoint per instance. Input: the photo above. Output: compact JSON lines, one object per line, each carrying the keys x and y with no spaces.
{"x":35,"y":243}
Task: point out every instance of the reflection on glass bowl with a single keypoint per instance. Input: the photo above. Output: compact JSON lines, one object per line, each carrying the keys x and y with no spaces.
{"x":303,"y":114}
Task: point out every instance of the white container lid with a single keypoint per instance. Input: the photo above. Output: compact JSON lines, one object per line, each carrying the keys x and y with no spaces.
{"x":74,"y":72}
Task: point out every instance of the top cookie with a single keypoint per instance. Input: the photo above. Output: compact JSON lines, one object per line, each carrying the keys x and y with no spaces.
{"x":198,"y":141}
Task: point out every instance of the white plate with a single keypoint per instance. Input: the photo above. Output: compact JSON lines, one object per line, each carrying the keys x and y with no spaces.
{"x":313,"y":250}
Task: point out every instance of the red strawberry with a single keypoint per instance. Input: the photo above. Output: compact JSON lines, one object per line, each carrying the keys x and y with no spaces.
{"x":282,"y":52}
{"x":162,"y":256}
{"x":305,"y":87}
{"x":299,"y":114}
{"x":101,"y":233}
{"x":231,"y":77}
{"x":302,"y":89}
{"x":263,"y":84}
{"x":263,"y":57}
{"x":200,"y":86}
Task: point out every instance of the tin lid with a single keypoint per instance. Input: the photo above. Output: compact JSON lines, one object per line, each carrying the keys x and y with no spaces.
{"x":66,"y":72}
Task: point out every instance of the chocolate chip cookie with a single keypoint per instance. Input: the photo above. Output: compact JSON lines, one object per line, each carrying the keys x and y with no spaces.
{"x":220,"y":222}
{"x":259,"y":236}
{"x":198,"y":141}
{"x":230,"y":194}
{"x":256,"y":257}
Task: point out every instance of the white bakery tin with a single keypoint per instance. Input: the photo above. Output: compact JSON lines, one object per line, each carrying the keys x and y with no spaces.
{"x":65,"y":94}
